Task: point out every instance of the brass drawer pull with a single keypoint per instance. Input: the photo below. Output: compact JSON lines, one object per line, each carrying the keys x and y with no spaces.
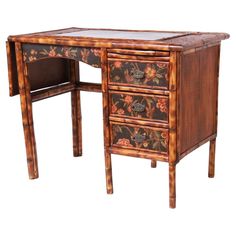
{"x":139,"y":138}
{"x":138,"y":107}
{"x":137,"y":74}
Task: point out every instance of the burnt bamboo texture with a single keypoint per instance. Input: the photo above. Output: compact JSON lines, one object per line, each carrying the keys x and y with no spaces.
{"x":211,"y":168}
{"x":159,"y":90}
{"x":105,"y":97}
{"x":76,"y":110}
{"x":153,"y":164}
{"x":27,"y":114}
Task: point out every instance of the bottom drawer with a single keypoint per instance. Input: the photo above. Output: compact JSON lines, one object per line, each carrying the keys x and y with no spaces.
{"x":139,"y":137}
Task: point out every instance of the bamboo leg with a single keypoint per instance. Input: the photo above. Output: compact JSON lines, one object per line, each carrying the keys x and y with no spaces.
{"x":211,"y":166}
{"x":27,"y":116}
{"x":153,"y":164}
{"x":76,"y":110}
{"x":105,"y":97}
{"x":172,"y":185}
{"x":108,"y":172}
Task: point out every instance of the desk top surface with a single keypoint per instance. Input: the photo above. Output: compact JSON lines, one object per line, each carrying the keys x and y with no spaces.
{"x":110,"y":38}
{"x":119,"y":34}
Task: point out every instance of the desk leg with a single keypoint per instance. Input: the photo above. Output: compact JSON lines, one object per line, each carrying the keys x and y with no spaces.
{"x":76,"y":110}
{"x":211,"y":166}
{"x":27,"y":115}
{"x":153,"y":164}
{"x":105,"y":97}
{"x":172,"y":185}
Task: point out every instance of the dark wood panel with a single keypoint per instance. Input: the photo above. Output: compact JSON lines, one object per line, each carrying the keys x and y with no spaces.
{"x":198,"y":97}
{"x":48,"y":72}
{"x":12,"y":69}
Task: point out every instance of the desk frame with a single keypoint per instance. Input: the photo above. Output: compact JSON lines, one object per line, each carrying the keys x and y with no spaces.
{"x":75,"y":86}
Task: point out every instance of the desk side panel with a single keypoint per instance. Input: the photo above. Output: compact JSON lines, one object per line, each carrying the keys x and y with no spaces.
{"x":48,"y":72}
{"x":12,"y":69}
{"x":198,"y":97}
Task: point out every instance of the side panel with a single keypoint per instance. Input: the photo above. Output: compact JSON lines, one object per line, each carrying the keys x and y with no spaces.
{"x":12,"y":69}
{"x":197,"y":108}
{"x":48,"y":72}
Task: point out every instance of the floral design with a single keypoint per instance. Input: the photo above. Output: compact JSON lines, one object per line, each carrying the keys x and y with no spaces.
{"x":162,"y":104}
{"x":120,"y":111}
{"x":128,"y":99}
{"x":152,"y":139}
{"x":124,"y":142}
{"x":155,"y":73}
{"x":152,"y":107}
{"x":33,"y":52}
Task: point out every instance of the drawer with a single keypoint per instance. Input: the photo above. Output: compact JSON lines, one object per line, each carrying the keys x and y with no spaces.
{"x":139,"y":137}
{"x":136,"y":105}
{"x":151,"y":74}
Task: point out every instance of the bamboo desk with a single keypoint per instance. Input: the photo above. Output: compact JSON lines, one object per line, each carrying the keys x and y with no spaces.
{"x":159,"y":89}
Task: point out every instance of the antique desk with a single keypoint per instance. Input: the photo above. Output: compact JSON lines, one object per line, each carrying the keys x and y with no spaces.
{"x":159,"y":89}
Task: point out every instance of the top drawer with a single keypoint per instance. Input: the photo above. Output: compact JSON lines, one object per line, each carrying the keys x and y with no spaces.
{"x":145,"y":73}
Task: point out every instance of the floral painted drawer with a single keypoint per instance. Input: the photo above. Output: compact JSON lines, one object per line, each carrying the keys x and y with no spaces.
{"x":138,"y":73}
{"x":148,"y":107}
{"x":139,"y":137}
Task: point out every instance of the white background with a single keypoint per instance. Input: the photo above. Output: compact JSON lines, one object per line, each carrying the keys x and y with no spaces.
{"x":70,"y":198}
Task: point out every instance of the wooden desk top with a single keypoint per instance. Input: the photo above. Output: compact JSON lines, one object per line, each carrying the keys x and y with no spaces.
{"x":113,"y":38}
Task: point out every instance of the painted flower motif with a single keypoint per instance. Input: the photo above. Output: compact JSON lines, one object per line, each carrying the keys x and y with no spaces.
{"x":24,"y":56}
{"x":117,"y":64}
{"x":129,"y":109}
{"x":150,"y":72}
{"x":32,"y":58}
{"x":33,"y":52}
{"x":85,"y":54}
{"x":162,"y":65}
{"x":165,"y":136}
{"x":69,"y":52}
{"x":124,"y":142}
{"x":128,"y":77}
{"x":128,"y":99}
{"x":52,"y":52}
{"x":120,"y":111}
{"x":96,"y":52}
{"x":36,"y":52}
{"x":145,"y":144}
{"x":156,"y":140}
{"x":113,"y":108}
{"x":33,"y":55}
{"x":162,"y":105}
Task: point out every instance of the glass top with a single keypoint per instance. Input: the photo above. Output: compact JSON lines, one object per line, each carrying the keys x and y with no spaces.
{"x":117,"y":34}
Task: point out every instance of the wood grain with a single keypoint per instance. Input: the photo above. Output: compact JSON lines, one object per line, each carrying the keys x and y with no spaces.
{"x":76,"y":109}
{"x":105,"y":97}
{"x":153,"y":164}
{"x":198,"y":97}
{"x":172,"y":128}
{"x":191,"y":87}
{"x":12,"y":69}
{"x":211,"y":167}
{"x":139,"y":154}
{"x":27,"y":115}
{"x":52,"y":91}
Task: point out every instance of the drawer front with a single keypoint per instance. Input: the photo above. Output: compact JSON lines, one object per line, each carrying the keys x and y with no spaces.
{"x":139,"y":137}
{"x":151,"y":107}
{"x":139,"y":73}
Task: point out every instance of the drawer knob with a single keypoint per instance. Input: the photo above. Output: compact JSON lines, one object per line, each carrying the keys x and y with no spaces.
{"x":139,"y":138}
{"x":137,"y":74}
{"x":138,"y":107}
